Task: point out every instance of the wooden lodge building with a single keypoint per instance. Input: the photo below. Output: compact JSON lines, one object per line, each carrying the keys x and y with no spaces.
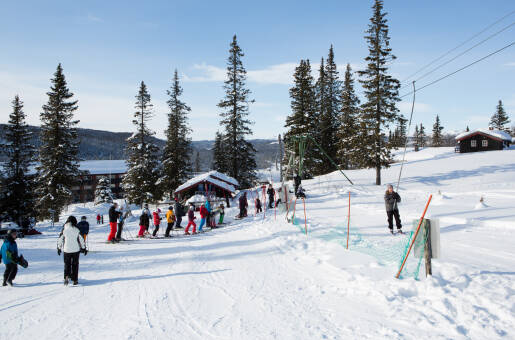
{"x":482,"y":140}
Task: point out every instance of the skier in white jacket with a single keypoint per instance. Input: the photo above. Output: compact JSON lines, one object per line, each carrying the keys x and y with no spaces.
{"x":71,"y":243}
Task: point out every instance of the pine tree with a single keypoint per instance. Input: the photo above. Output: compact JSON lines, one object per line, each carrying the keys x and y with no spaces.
{"x":381,"y":90}
{"x":303,"y":119}
{"x":17,"y":194}
{"x":437,"y":139}
{"x":500,"y":119}
{"x":219,"y":154}
{"x":467,"y":129}
{"x":402,"y":131}
{"x":103,"y":193}
{"x":58,"y":155}
{"x":323,"y":128}
{"x":142,"y":163}
{"x":241,"y":161}
{"x":197,"y":163}
{"x":177,"y":150}
{"x":422,"y":134}
{"x":347,"y":138}
{"x":416,"y":138}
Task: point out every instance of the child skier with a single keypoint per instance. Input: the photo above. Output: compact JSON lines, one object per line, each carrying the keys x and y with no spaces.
{"x":170,"y":220}
{"x":157,"y":221}
{"x":9,"y":253}
{"x":98,"y":218}
{"x":146,"y":211}
{"x":222,"y":214}
{"x":258,"y":206}
{"x":83,"y":226}
{"x":203,"y":215}
{"x":121,"y":221}
{"x":143,"y":224}
{"x":191,"y":221}
{"x":271,"y":195}
{"x":71,"y":244}
{"x":391,"y":198}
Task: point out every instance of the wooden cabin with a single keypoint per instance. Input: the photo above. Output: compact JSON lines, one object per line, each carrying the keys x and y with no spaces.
{"x":213,"y":185}
{"x":482,"y":140}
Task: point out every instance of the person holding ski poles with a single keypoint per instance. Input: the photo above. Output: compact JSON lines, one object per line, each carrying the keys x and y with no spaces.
{"x":121,"y":221}
{"x":391,"y":200}
{"x":203,"y":216}
{"x":170,"y":220}
{"x":179,"y":213}
{"x":191,"y":220}
{"x":271,"y":195}
{"x":144,"y":222}
{"x":83,"y":226}
{"x":71,"y":244}
{"x":157,"y":221}
{"x":113,"y":221}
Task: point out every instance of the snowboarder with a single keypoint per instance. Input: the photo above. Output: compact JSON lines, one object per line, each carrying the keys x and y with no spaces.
{"x":157,"y":221}
{"x":391,"y":200}
{"x":243,"y":204}
{"x":271,"y":195}
{"x":170,"y":220}
{"x":258,"y":206}
{"x":296,"y":182}
{"x":9,"y":254}
{"x":222,"y":214}
{"x":144,"y":221}
{"x":71,"y":244}
{"x":203,"y":216}
{"x":121,"y":221}
{"x":113,"y":221}
{"x":191,"y":221}
{"x":179,"y":213}
{"x":83,"y":226}
{"x":98,"y":218}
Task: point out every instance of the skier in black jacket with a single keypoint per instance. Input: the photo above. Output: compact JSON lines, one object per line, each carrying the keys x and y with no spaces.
{"x":296,"y":182}
{"x":179,"y":213}
{"x":391,"y":200}
{"x":113,"y":222}
{"x":271,"y":195}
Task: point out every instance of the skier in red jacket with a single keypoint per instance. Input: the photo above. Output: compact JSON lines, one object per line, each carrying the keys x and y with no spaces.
{"x":157,"y":221}
{"x":203,"y":215}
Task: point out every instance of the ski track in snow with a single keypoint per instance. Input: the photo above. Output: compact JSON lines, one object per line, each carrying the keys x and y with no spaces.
{"x":264,"y":279}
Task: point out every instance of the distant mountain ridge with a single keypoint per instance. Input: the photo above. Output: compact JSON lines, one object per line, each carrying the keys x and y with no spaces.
{"x":99,"y":144}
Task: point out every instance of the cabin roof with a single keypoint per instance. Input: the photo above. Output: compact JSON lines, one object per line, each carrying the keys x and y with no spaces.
{"x":494,"y":134}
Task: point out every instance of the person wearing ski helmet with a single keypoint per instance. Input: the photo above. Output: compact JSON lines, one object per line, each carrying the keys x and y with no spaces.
{"x":157,"y":221}
{"x":113,"y":222}
{"x":83,"y":226}
{"x":191,"y":221}
{"x":170,"y":220}
{"x":271,"y":195}
{"x":391,"y":200}
{"x":9,"y":254}
{"x":71,"y":244}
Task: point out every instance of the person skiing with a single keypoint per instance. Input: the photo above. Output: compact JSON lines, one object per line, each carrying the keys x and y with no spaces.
{"x":300,"y":192}
{"x":203,"y":216}
{"x":170,"y":219}
{"x":271,"y":195}
{"x":146,"y":211}
{"x":243,"y":204}
{"x":179,"y":213}
{"x":296,"y":182}
{"x":258,"y":206}
{"x":113,"y":221}
{"x":157,"y":221}
{"x":71,"y":244}
{"x":98,"y":218}
{"x":222,"y":214}
{"x":9,"y":254}
{"x":83,"y":226}
{"x":191,"y":221}
{"x":391,"y":200}
{"x":121,"y":221}
{"x":144,"y":221}
{"x":209,"y":210}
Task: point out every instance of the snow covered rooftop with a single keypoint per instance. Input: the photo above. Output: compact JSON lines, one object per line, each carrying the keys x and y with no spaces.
{"x":214,"y":177}
{"x":502,"y":135}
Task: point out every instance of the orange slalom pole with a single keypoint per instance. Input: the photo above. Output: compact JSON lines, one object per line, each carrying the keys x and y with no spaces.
{"x":305,"y":217}
{"x":414,"y":237}
{"x":348,"y":223}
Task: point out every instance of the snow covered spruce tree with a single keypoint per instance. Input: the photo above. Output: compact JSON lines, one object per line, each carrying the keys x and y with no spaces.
{"x":422,"y":136}
{"x":176,"y":154}
{"x":58,"y":154}
{"x":303,"y":120}
{"x":416,"y":138}
{"x":219,"y":154}
{"x":381,"y":90}
{"x":347,"y":136}
{"x":437,"y":138}
{"x":17,"y":197}
{"x":143,"y":168}
{"x":500,"y":119}
{"x":103,"y":193}
{"x":241,"y":162}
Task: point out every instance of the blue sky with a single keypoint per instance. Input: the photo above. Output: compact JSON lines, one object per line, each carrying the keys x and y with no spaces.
{"x":107,"y":47}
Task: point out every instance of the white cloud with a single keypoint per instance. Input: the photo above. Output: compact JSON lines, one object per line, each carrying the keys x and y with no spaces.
{"x":274,"y":74}
{"x":405,"y":107}
{"x":209,"y":73}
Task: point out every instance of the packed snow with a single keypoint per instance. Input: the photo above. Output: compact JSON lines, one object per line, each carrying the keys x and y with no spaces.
{"x":263,"y":278}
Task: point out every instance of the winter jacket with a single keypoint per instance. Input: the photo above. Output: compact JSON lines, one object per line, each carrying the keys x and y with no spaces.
{"x":9,"y":250}
{"x":270,"y":192}
{"x":113,"y":214}
{"x":208,"y":206}
{"x":121,"y":218}
{"x":157,"y":219}
{"x":391,"y":200}
{"x":258,"y":203}
{"x":243,"y":202}
{"x":203,"y":212}
{"x":179,"y":209}
{"x":83,"y":227}
{"x":170,"y":217}
{"x":70,"y":241}
{"x":191,"y":215}
{"x":98,"y":217}
{"x":297,"y":180}
{"x":144,"y":220}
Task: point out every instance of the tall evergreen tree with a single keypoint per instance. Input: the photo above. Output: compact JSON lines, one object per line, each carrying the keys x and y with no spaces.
{"x":402,"y":131}
{"x":240,"y":152}
{"x":500,"y":119}
{"x":467,"y":129}
{"x":177,"y":150}
{"x":58,"y":154}
{"x":348,"y":145}
{"x":437,"y":138}
{"x":17,"y":196}
{"x":103,"y":193}
{"x":219,"y":154}
{"x":422,"y":134}
{"x":303,"y":119}
{"x":381,"y":90}
{"x":143,"y":168}
{"x":416,"y":138}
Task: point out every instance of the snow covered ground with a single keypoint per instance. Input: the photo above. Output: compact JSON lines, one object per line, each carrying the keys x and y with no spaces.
{"x":261,"y":278}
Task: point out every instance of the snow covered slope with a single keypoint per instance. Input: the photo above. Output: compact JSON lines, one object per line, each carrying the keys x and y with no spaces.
{"x":261,"y":278}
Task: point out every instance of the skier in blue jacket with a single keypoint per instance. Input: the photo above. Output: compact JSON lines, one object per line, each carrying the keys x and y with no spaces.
{"x":10,"y":257}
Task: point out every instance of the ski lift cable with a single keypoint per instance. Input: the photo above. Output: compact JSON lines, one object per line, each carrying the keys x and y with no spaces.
{"x":407,"y":134}
{"x":462,"y":53}
{"x":458,"y":46}
{"x":460,"y":69}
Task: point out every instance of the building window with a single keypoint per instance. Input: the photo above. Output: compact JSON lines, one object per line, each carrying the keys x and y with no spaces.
{"x":484,"y":143}
{"x":473,"y":143}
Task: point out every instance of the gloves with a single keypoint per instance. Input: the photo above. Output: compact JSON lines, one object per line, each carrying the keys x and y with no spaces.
{"x":85,"y":251}
{"x":58,"y":252}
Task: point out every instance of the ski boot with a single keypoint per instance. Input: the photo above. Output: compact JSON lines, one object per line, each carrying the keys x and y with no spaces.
{"x":66,"y":281}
